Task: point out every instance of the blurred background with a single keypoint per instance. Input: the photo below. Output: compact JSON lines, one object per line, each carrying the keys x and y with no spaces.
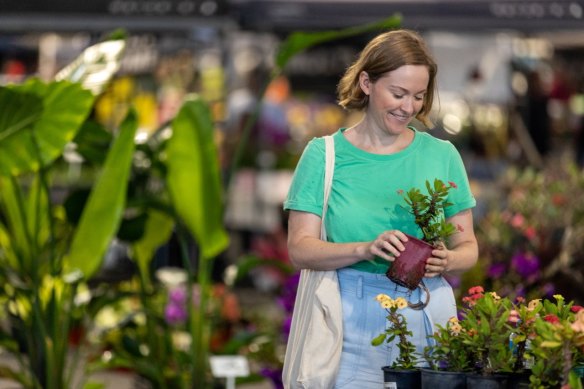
{"x":511,"y":98}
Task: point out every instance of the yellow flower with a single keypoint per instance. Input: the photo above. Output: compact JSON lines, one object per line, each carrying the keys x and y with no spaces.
{"x":495,"y":296}
{"x":387,"y":304}
{"x":533,"y":304}
{"x":455,"y":328}
{"x":382,"y":297}
{"x":401,"y":302}
{"x":558,"y":297}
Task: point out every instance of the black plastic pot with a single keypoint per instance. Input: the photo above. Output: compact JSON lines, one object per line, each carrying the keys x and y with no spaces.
{"x":401,"y":379}
{"x":493,"y":381}
{"x":437,"y":379}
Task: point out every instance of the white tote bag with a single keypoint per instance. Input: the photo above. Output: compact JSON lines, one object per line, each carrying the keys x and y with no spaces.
{"x":315,"y":343}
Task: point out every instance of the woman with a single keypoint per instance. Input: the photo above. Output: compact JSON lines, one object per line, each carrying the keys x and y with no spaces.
{"x":392,"y":82}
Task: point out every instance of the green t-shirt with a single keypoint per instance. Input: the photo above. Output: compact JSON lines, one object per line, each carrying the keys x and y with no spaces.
{"x":364,"y":199}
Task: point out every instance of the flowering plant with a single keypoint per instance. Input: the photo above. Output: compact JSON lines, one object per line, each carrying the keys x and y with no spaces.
{"x":487,"y":330}
{"x":532,"y":232}
{"x":449,"y":351}
{"x":559,"y":344}
{"x":397,"y":328}
{"x":427,"y":210}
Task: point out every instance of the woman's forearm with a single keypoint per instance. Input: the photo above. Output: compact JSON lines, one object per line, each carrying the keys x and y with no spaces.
{"x":312,"y":253}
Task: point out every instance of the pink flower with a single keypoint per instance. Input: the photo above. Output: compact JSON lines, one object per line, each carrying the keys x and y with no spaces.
{"x":513,"y":317}
{"x":452,"y":184}
{"x":576,"y":308}
{"x":530,"y":233}
{"x":517,"y":220}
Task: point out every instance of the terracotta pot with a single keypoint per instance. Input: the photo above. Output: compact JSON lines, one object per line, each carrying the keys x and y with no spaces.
{"x":408,"y":269}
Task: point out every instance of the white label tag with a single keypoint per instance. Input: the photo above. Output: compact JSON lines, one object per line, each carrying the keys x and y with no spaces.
{"x":229,"y":366}
{"x":390,"y":385}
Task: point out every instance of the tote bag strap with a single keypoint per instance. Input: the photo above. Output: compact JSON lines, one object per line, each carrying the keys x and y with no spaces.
{"x":328,"y":178}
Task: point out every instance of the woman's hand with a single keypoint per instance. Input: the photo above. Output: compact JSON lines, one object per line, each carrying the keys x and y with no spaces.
{"x":437,"y":264}
{"x":388,"y":245}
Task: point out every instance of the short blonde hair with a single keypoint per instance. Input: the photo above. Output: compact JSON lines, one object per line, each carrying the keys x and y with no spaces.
{"x":384,"y":53}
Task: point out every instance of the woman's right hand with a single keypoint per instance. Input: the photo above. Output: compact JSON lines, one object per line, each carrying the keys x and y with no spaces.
{"x":388,"y":245}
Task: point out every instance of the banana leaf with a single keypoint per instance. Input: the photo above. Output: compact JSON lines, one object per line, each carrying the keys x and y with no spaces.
{"x":102,"y":214}
{"x":194,"y":180}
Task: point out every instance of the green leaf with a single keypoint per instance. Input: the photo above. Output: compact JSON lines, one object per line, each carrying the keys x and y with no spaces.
{"x":102,"y":214}
{"x":157,"y":231}
{"x":378,"y":339}
{"x":93,"y":141}
{"x":52,"y":112}
{"x":300,"y":41}
{"x":93,"y":385}
{"x":194,"y":180}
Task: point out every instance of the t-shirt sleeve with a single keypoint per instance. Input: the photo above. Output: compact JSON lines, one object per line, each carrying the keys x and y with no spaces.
{"x":306,"y":190}
{"x":461,"y":197}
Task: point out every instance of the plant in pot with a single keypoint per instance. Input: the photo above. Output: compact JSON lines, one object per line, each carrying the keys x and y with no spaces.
{"x":403,"y":371}
{"x":427,"y":208}
{"x":558,"y":345}
{"x":487,"y":330}
{"x":449,"y":357}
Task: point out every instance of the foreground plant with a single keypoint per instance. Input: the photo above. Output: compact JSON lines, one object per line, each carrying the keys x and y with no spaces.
{"x":558,"y":345}
{"x":397,"y":331}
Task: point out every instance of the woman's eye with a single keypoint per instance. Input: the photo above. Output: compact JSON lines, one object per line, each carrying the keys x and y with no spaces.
{"x":398,"y":96}
{"x":419,"y":98}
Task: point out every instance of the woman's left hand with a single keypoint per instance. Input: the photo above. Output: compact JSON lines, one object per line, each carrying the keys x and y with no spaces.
{"x":437,"y":264}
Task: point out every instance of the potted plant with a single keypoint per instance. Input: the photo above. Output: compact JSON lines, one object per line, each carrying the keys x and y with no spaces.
{"x":403,"y":371}
{"x":449,"y":357}
{"x":558,"y":345}
{"x":408,"y":269}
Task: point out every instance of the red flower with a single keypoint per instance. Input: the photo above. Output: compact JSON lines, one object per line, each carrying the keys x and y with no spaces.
{"x":476,"y":289}
{"x":551,"y":319}
{"x":576,"y":308}
{"x":452,"y":184}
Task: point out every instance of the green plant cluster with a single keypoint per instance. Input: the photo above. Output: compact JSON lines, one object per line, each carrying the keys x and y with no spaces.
{"x":428,"y":208}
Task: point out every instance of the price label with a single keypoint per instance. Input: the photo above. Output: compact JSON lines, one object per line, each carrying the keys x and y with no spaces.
{"x":229,"y":366}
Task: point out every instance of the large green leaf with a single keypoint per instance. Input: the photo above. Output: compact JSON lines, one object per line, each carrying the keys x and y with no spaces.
{"x":158,"y":230}
{"x":300,"y":41}
{"x":102,"y":215}
{"x":51,"y":112}
{"x":194,"y":180}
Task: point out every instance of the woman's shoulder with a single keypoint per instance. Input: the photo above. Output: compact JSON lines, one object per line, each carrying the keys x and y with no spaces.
{"x":317,"y":143}
{"x":429,"y":140}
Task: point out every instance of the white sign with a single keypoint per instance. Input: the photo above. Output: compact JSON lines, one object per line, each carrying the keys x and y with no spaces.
{"x":229,"y":366}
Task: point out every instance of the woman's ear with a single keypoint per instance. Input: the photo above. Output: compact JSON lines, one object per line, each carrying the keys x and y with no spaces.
{"x":364,"y":82}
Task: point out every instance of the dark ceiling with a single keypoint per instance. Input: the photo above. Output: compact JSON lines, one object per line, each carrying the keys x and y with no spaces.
{"x":470,"y":15}
{"x":283,"y":16}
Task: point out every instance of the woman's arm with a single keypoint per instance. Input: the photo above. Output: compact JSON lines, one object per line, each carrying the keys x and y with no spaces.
{"x":462,"y":252}
{"x":308,"y":251}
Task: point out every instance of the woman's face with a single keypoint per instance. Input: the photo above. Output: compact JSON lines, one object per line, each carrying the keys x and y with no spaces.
{"x":396,"y":98}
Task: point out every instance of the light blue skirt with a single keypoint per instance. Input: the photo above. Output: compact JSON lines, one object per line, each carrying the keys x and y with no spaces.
{"x":364,"y":319}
